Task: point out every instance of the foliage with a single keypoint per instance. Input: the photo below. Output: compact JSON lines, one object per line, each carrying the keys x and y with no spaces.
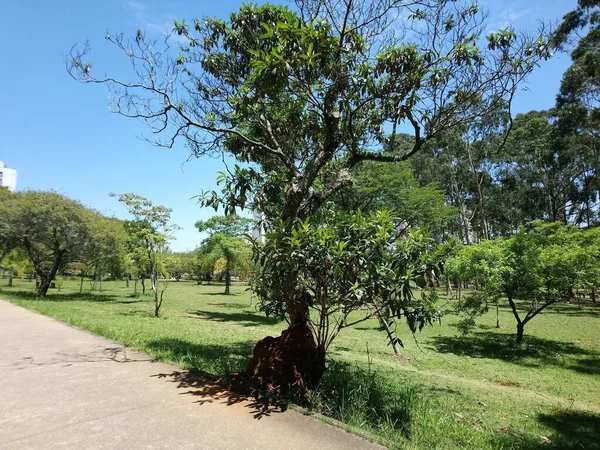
{"x":225,"y":242}
{"x":542,"y":265}
{"x":52,"y":229}
{"x":150,"y":233}
{"x":354,"y":263}
{"x":393,"y":187}
{"x":234,"y":251}
{"x":180,"y":265}
{"x":105,"y":250}
{"x":229,"y":225}
{"x":16,"y":262}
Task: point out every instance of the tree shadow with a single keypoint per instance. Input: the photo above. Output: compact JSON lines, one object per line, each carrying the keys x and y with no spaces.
{"x":219,"y":360}
{"x":229,"y":305}
{"x":54,"y":296}
{"x":222,"y":293}
{"x":138,"y":313}
{"x":573,"y":429}
{"x":568,"y":430}
{"x":502,"y":346}
{"x":246,"y":319}
{"x":208,"y":389}
{"x":574,"y":311}
{"x":215,"y":366}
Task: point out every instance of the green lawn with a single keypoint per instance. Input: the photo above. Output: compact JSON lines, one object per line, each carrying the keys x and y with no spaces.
{"x":446,"y":391}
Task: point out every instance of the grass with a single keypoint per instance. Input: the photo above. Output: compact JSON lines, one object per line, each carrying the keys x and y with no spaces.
{"x":446,"y":391}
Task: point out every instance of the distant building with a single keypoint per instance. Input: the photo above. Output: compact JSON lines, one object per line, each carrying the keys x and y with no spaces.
{"x":8,"y":177}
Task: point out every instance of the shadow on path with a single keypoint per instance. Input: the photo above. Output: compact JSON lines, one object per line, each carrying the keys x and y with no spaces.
{"x":205,"y":386}
{"x":116,"y":354}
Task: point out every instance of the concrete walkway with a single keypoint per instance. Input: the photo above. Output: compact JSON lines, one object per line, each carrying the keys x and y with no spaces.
{"x":61,"y":387}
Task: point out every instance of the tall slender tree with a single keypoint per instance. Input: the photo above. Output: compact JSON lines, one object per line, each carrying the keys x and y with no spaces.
{"x":152,"y":230}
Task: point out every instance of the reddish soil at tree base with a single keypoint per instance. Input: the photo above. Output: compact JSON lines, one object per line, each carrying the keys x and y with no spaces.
{"x":289,"y":361}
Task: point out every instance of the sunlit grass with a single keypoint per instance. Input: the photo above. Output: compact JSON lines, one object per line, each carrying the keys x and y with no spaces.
{"x":445,"y":391}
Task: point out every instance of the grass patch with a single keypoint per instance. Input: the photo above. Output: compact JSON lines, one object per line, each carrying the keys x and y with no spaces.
{"x":450,"y":391}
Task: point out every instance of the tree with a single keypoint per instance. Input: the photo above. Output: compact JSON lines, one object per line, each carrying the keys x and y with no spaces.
{"x":475,"y":264}
{"x":350,"y":264}
{"x":539,"y":266}
{"x":179,"y":264}
{"x":578,"y":102}
{"x":136,"y":252}
{"x":305,"y":96}
{"x":537,"y":176}
{"x":393,"y":187}
{"x":224,"y":241}
{"x":150,"y":228}
{"x":234,"y":226}
{"x":104,"y":252}
{"x":15,"y":262}
{"x":51,"y":228}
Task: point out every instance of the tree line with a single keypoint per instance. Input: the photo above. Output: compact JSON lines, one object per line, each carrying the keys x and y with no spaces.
{"x":46,"y":234}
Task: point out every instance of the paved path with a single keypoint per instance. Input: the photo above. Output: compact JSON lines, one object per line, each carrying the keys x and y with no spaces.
{"x":61,"y":387}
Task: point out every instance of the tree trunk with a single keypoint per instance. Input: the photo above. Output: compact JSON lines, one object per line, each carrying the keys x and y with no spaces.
{"x":594,"y":294}
{"x":292,"y":359}
{"x":154,"y":281}
{"x":228,"y":277}
{"x":484,"y":232}
{"x":81,"y":283}
{"x":520,"y":331}
{"x":143,"y":286}
{"x":10,"y":278}
{"x":384,"y":323}
{"x":497,"y":316}
{"x":46,"y":278}
{"x":127,"y":281}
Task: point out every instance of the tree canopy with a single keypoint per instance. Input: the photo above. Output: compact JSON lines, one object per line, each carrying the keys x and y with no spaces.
{"x":539,"y":266}
{"x":51,"y":228}
{"x":225,"y":241}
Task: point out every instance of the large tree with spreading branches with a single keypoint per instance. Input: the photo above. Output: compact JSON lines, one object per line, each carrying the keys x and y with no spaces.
{"x":300,"y":96}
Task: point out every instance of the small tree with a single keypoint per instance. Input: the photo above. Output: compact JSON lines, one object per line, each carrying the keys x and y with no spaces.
{"x":537,"y":268}
{"x":350,"y":264}
{"x":235,"y":252}
{"x":15,"y":262}
{"x":152,"y":230}
{"x":475,"y":264}
{"x":225,"y":241}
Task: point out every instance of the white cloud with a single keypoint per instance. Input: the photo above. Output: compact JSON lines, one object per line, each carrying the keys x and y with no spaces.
{"x":511,"y":15}
{"x":151,"y":21}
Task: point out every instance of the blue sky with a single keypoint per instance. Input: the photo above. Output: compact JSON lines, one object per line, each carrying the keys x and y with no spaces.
{"x":59,"y":134}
